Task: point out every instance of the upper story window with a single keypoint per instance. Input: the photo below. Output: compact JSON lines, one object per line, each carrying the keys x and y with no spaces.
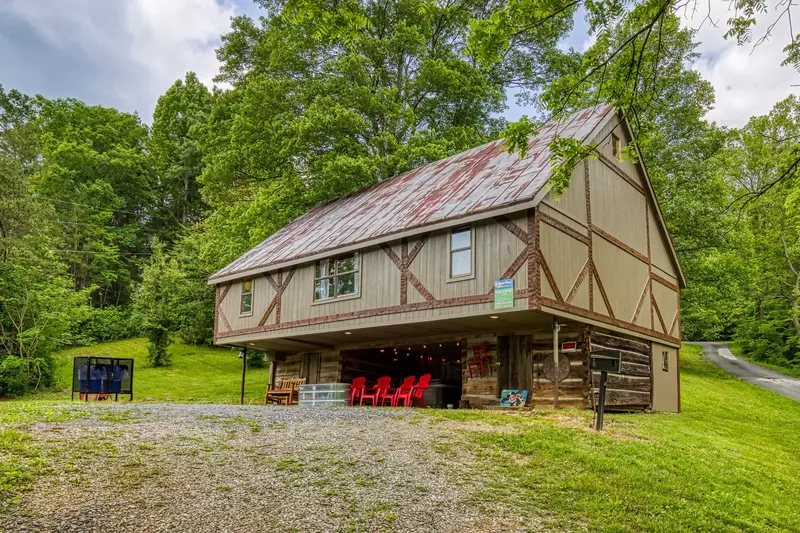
{"x":461,"y":252}
{"x":336,"y":277}
{"x":616,"y":146}
{"x":246,"y":302}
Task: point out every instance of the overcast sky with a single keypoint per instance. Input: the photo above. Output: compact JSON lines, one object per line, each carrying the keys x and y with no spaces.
{"x":126,"y":53}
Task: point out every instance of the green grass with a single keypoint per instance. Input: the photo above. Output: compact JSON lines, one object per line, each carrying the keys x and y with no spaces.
{"x":199,"y":373}
{"x":729,"y":462}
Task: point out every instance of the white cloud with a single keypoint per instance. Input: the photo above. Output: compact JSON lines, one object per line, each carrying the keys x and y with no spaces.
{"x":747,"y":81}
{"x":135,"y":49}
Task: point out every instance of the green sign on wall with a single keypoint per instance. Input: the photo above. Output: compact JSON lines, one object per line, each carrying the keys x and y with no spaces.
{"x":504,"y":294}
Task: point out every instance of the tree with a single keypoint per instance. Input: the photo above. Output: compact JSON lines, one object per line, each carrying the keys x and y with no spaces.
{"x":156,"y":304}
{"x":767,"y":201}
{"x":177,"y":156}
{"x":96,"y":173}
{"x":38,"y":306}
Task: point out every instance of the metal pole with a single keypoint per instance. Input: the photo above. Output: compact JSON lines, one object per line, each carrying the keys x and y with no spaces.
{"x":556,"y":328}
{"x":244,"y":369}
{"x":602,"y":401}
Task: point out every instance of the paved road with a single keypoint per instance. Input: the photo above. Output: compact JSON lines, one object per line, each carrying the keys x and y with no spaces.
{"x":720,"y":354}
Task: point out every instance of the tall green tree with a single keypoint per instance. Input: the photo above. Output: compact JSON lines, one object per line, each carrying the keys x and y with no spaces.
{"x":156,"y":304}
{"x":176,"y":154}
{"x":96,"y":173}
{"x":38,"y":306}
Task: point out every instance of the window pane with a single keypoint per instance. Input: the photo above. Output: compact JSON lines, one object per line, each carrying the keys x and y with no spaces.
{"x":347,"y":284}
{"x":346,"y":263}
{"x":460,"y":239}
{"x":247,"y":303}
{"x":461,"y":263}
{"x":247,"y":286}
{"x":324,"y":268}
{"x":323,"y":289}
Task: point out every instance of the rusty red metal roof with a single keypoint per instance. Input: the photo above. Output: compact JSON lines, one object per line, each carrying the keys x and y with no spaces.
{"x":484,"y":179}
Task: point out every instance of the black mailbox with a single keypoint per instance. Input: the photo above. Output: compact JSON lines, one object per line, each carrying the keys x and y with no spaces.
{"x":605,"y":361}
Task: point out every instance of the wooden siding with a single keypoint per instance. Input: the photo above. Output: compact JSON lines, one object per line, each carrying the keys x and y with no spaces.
{"x":608,"y":261}
{"x":387,"y":294}
{"x":666,"y":383}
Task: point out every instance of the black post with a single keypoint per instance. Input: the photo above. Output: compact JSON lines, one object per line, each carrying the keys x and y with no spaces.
{"x":602,"y":402}
{"x":244,"y":369}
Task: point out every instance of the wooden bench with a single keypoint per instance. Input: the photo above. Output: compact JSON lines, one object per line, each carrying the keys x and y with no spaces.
{"x":286,"y":391}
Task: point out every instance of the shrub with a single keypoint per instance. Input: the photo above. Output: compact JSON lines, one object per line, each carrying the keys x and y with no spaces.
{"x":19,"y":376}
{"x":105,"y":325}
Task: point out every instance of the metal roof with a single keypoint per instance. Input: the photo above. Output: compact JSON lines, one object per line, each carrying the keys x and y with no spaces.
{"x":483,"y":179}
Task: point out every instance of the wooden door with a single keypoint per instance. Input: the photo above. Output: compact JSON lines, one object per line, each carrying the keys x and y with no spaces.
{"x":310,"y":367}
{"x":516,"y":363}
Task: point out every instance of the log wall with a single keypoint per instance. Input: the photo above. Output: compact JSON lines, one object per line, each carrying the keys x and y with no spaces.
{"x":631,"y":389}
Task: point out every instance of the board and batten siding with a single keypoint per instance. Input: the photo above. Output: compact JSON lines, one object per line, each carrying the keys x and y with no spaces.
{"x":430,"y":293}
{"x":604,"y":253}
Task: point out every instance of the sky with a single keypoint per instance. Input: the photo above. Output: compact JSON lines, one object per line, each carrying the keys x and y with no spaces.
{"x":125,"y":54}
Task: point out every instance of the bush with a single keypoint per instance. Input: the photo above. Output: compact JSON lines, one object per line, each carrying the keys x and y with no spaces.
{"x":19,"y":376}
{"x":255,"y":359}
{"x":157,"y":353}
{"x":105,"y":325}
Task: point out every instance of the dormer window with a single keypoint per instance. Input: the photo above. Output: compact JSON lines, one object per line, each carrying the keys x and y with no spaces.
{"x":336,"y":277}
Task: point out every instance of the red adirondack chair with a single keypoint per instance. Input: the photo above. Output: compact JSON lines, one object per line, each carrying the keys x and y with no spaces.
{"x":356,"y":388}
{"x":415,"y":394}
{"x":374,"y":394}
{"x":404,"y":388}
{"x":480,"y":361}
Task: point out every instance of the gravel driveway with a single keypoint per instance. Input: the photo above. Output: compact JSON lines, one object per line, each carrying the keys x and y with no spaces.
{"x":217,"y":468}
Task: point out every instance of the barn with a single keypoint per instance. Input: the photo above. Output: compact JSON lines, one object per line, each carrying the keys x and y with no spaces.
{"x":470,"y":270}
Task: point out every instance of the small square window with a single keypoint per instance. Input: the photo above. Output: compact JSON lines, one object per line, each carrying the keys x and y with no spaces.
{"x":665,"y":361}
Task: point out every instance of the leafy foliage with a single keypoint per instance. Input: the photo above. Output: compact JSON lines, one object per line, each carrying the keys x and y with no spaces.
{"x":156,"y":302}
{"x":108,"y":227}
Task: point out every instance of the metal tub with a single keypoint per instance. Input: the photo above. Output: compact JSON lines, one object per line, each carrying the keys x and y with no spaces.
{"x":324,"y":395}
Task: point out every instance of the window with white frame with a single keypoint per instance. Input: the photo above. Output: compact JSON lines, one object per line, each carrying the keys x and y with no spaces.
{"x":246,"y":302}
{"x":336,"y":277}
{"x":461,"y":252}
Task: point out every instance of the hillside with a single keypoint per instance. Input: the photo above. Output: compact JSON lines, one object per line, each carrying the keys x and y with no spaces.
{"x":197,"y":373}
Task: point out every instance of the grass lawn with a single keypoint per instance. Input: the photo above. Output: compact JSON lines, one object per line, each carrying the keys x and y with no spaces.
{"x":728,"y":462}
{"x":197,"y":373}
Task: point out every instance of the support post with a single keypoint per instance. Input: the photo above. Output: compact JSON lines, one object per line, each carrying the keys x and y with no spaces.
{"x":601,"y":407}
{"x":244,"y":370}
{"x":556,"y":380}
